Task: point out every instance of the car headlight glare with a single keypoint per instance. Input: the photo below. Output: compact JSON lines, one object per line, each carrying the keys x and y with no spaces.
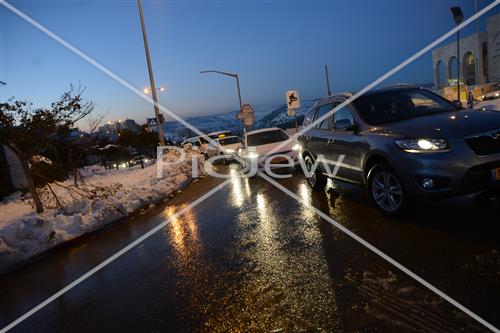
{"x":423,"y":145}
{"x":252,"y":155}
{"x":229,"y":150}
{"x":296,"y":147}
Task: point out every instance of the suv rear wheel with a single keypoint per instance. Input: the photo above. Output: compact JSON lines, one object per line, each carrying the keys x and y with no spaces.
{"x":386,"y":190}
{"x":317,"y":181}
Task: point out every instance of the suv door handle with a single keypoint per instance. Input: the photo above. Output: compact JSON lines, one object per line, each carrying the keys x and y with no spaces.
{"x":307,"y":137}
{"x":330,"y":141}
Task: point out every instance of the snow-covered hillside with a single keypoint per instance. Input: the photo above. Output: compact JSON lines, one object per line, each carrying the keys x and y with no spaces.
{"x":264,"y":117}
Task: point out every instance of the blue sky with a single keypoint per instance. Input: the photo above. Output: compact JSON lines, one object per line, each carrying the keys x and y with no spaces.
{"x":273,"y":45}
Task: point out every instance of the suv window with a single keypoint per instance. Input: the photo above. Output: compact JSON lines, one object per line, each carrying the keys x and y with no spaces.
{"x":309,"y":116}
{"x":384,"y":107}
{"x":343,"y":113}
{"x":264,"y":138}
{"x":322,"y":110}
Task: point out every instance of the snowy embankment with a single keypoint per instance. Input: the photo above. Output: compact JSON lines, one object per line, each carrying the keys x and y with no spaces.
{"x":490,"y":105}
{"x":115,"y":194}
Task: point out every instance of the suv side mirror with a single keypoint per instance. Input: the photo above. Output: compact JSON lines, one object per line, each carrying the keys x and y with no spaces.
{"x":344,"y":125}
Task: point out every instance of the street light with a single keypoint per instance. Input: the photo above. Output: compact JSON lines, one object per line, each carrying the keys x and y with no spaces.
{"x":458,"y":17}
{"x":147,"y":90}
{"x":237,"y":86}
{"x":237,"y":82}
{"x":151,"y":78}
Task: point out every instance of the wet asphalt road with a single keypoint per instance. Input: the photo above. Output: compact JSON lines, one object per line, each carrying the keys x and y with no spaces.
{"x":250,"y":258}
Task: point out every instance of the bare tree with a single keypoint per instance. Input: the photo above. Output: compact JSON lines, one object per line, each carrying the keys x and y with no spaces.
{"x":30,"y":132}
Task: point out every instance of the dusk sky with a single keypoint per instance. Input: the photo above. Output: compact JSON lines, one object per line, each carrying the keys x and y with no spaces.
{"x":273,"y":45}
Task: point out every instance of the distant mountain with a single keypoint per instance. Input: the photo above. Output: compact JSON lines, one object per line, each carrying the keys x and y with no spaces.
{"x":264,"y":117}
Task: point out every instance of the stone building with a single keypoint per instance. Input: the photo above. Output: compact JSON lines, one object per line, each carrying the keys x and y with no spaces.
{"x":479,"y":57}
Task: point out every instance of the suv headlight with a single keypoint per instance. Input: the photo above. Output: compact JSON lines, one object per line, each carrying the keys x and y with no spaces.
{"x":423,"y":145}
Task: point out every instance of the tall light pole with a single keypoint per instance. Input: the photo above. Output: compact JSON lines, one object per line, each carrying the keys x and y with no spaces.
{"x":458,"y":17}
{"x":151,"y":78}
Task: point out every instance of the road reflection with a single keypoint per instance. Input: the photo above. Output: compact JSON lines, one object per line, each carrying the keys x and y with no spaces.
{"x":276,"y":248}
{"x":240,"y":188}
{"x":183,"y":231}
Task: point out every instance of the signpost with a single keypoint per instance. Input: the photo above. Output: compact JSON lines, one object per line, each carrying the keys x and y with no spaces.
{"x":293,"y":103}
{"x":247,"y":117}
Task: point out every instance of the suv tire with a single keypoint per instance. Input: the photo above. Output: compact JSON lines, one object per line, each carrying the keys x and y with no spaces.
{"x":318,"y":180}
{"x":387,"y":191}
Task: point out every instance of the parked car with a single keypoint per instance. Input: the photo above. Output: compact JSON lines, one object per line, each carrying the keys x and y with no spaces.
{"x":261,"y":142}
{"x":198,"y":143}
{"x":224,"y":146}
{"x":493,"y":94}
{"x":404,"y":142}
{"x":137,"y":160}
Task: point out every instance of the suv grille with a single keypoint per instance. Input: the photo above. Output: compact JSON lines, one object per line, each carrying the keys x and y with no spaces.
{"x":485,"y":143}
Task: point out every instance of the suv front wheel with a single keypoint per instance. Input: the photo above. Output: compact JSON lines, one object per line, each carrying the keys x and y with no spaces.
{"x":318,"y":180}
{"x":387,"y":191}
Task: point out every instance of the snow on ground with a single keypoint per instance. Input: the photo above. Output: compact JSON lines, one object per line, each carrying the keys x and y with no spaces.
{"x":490,"y":105}
{"x":120,"y":193}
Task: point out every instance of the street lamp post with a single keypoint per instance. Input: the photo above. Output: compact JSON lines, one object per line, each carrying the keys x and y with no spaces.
{"x":458,"y":17}
{"x":151,"y":78}
{"x":237,"y":85}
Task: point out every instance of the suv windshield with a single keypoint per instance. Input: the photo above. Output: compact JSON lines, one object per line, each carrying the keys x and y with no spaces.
{"x":230,"y":140}
{"x":264,"y":138}
{"x":384,"y":107}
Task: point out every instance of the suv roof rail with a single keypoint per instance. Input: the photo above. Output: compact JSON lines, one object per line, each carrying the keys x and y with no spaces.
{"x":399,"y":85}
{"x":342,"y":94}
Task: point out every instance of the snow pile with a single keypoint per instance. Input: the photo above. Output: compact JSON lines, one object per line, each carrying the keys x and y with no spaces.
{"x":120,"y":193}
{"x":489,"y":105}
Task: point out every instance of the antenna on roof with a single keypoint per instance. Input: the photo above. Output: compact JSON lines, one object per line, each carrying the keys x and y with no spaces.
{"x":327,"y":81}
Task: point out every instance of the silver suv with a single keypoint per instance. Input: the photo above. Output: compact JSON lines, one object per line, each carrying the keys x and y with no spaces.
{"x":403,"y":142}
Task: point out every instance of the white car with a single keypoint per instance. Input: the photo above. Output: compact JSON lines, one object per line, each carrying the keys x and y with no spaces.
{"x":198,"y":143}
{"x":260,"y":143}
{"x":224,"y":146}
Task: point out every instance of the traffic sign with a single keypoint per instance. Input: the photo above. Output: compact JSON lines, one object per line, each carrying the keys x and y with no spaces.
{"x":292,"y":99}
{"x":247,"y":115}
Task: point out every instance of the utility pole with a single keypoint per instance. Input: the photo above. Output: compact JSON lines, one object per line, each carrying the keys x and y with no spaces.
{"x":151,"y":78}
{"x":327,"y":81}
